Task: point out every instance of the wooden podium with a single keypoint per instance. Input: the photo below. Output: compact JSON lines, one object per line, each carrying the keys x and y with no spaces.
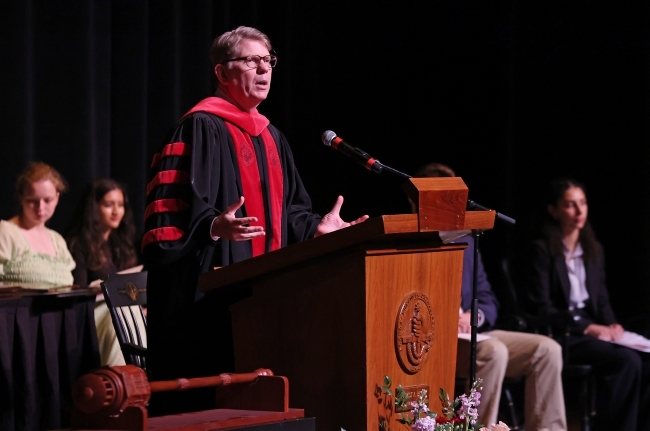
{"x":337,"y":313}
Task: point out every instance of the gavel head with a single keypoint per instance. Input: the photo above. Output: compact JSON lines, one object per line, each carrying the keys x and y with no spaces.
{"x":110,"y":390}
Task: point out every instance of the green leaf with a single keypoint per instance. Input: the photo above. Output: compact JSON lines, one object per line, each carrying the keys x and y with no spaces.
{"x":401,"y":397}
{"x":387,"y":380}
{"x":406,"y":419}
{"x":444,"y":397}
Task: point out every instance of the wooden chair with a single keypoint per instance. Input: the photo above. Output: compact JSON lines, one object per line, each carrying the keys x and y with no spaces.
{"x":125,"y":295}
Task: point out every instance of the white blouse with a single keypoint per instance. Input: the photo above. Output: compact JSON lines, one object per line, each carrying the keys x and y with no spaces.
{"x":577,"y":278}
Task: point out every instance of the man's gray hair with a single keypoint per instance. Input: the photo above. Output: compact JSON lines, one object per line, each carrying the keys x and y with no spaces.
{"x":225,"y":46}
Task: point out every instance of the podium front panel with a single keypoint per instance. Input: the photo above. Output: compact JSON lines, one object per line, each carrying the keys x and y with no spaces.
{"x":412,"y":302}
{"x":329,"y":325}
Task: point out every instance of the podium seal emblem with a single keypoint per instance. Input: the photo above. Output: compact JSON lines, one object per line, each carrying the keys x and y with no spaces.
{"x":414,"y":331}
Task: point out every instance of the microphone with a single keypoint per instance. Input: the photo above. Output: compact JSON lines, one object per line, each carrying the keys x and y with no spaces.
{"x":330,"y":139}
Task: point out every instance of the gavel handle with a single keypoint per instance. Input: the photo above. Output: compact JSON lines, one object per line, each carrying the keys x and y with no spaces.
{"x":202,"y":382}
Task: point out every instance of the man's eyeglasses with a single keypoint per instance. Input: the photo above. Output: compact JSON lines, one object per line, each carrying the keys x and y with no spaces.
{"x":253,"y":61}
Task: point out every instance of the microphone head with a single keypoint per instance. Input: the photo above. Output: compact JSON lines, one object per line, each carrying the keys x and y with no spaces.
{"x":327,"y":137}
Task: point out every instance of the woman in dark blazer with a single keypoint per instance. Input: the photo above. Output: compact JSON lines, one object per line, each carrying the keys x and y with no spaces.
{"x":566,"y":283}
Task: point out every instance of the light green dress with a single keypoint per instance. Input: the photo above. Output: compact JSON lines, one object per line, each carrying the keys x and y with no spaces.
{"x":20,"y":265}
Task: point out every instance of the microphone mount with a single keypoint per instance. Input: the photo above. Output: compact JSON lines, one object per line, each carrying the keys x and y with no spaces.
{"x":330,"y":139}
{"x":473,"y":205}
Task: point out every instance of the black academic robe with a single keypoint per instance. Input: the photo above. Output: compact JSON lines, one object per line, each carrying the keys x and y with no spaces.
{"x":190,"y":333}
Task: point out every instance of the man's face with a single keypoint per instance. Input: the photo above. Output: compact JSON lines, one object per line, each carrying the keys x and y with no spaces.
{"x":247,"y":86}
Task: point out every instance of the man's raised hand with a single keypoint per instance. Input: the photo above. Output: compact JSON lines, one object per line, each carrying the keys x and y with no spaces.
{"x":228,"y":226}
{"x":332,"y":220}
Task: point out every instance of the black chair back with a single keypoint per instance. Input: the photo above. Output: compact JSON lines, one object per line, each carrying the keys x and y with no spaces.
{"x":125,"y":295}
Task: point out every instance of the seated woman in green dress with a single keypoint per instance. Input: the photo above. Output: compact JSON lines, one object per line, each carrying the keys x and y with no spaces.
{"x":31,"y":255}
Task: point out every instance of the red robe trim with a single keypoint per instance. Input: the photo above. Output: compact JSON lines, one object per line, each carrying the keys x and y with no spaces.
{"x":168,"y":177}
{"x":169,"y":233}
{"x":276,"y":185}
{"x":173,"y":149}
{"x":253,"y":124}
{"x":176,"y":149}
{"x":165,"y":206}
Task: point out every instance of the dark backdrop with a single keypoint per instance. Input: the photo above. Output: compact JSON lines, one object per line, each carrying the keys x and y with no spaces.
{"x":509,"y":94}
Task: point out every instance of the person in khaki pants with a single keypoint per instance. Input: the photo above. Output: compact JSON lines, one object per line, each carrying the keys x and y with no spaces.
{"x":505,"y":353}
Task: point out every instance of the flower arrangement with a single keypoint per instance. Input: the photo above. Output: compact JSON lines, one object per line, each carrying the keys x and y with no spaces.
{"x":459,"y":415}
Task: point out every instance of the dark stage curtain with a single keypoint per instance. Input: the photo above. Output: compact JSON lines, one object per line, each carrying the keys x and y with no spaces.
{"x":510,"y":94}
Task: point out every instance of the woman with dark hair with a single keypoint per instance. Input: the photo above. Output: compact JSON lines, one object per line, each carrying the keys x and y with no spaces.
{"x":567,"y":284}
{"x":102,"y":239}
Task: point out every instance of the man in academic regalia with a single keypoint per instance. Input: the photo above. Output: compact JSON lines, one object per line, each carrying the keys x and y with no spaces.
{"x":223,"y":189}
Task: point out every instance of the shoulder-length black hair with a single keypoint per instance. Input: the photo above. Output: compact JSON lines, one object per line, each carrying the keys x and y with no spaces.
{"x":552,"y":230}
{"x":87,"y":230}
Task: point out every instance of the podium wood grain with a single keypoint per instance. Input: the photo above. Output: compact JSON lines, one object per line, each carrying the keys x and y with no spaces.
{"x":324,"y":312}
{"x":329,"y":326}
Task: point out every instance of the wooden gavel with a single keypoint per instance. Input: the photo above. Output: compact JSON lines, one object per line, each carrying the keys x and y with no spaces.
{"x":109,"y":390}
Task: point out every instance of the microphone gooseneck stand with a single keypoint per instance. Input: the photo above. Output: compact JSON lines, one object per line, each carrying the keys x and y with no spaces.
{"x":476,"y":234}
{"x":473,"y":205}
{"x":383,"y":167}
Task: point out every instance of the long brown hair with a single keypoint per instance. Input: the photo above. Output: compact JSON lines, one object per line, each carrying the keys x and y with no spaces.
{"x":552,"y":230}
{"x":87,"y":230}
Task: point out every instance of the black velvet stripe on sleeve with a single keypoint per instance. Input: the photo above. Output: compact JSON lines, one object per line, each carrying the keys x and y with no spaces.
{"x":200,"y":168}
{"x":171,"y":191}
{"x":177,"y":163}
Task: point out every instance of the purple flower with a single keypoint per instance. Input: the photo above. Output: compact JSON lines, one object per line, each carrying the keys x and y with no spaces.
{"x":424,"y":424}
